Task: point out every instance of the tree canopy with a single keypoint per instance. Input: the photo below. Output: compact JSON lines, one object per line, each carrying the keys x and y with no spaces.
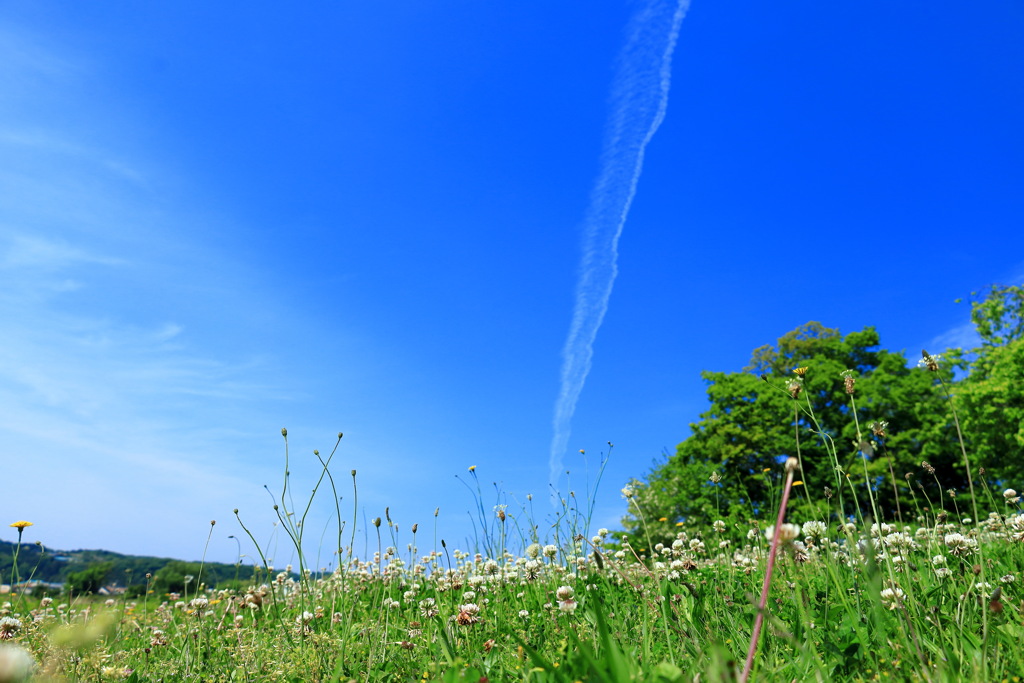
{"x":794,"y":399}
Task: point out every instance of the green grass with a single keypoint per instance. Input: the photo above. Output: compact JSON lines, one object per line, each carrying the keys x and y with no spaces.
{"x":933,"y":600}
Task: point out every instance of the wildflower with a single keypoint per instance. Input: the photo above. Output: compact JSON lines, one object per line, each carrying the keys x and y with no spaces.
{"x":21,"y":524}
{"x":565,"y":595}
{"x":892,"y":597}
{"x":627,"y":492}
{"x":787,"y":532}
{"x":799,"y":552}
{"x":468,"y":614}
{"x":16,"y":664}
{"x":8,"y":627}
{"x":814,"y":530}
{"x":1011,"y":496}
{"x":719,"y":526}
{"x":849,"y":378}
{"x":550,"y":550}
{"x":794,"y":387}
{"x":800,"y":371}
{"x":567,"y":606}
{"x":715,"y":477}
{"x":959,"y":545}
{"x":472,"y":468}
{"x":878,"y":428}
{"x":929,"y":361}
{"x":428,"y":608}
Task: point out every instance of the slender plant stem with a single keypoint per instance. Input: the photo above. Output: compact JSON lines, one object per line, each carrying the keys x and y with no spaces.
{"x":761,"y":605}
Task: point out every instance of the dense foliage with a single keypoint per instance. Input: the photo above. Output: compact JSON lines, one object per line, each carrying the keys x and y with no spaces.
{"x":897,"y":417}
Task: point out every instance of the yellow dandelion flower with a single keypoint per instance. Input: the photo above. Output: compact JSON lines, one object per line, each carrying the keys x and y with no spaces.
{"x":767,"y":469}
{"x":798,"y":483}
{"x":21,"y":524}
{"x":472,"y":468}
{"x":800,"y":371}
{"x":662,"y":519}
{"x":679,"y":523}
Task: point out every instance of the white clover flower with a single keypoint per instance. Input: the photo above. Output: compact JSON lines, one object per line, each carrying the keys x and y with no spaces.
{"x":550,"y":550}
{"x":16,"y":664}
{"x":567,"y":606}
{"x":814,"y":530}
{"x":628,"y":492}
{"x":8,"y":627}
{"x":939,"y":560}
{"x":524,"y":614}
{"x":787,"y":532}
{"x":564,"y":592}
{"x":892,"y":597}
{"x":960,"y":545}
{"x":719,"y":526}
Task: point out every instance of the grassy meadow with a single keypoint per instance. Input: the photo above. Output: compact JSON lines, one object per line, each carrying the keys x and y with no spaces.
{"x":935,"y":596}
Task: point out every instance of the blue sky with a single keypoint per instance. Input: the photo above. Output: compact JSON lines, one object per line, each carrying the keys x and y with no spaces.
{"x":369,"y":217}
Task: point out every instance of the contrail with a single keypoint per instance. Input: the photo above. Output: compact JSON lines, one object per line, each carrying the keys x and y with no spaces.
{"x":639,"y":99}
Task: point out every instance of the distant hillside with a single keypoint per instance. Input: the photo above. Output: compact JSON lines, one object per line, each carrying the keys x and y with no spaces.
{"x":40,"y":563}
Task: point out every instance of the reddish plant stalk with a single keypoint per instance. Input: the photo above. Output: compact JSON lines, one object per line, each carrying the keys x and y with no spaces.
{"x":791,"y":465}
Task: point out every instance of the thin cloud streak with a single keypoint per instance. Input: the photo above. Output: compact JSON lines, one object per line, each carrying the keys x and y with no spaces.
{"x":638,"y":104}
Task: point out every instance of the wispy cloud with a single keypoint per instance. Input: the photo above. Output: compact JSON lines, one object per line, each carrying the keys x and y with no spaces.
{"x":109,"y":405}
{"x":638,"y":104}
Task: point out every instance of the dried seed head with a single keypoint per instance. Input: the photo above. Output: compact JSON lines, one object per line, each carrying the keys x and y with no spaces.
{"x":848,"y":380}
{"x":929,"y":361}
{"x":795,"y":387}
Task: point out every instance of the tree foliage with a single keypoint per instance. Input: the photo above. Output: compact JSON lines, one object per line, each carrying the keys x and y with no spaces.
{"x":897,"y":416}
{"x":89,"y":579}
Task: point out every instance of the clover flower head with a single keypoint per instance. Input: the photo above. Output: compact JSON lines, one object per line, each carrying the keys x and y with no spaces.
{"x":929,"y":361}
{"x":787,"y":532}
{"x":892,"y":597}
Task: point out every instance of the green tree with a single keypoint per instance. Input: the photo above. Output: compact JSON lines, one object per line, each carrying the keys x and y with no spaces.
{"x":176,"y":575}
{"x":754,"y":421}
{"x":90,"y":579}
{"x":991,"y":397}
